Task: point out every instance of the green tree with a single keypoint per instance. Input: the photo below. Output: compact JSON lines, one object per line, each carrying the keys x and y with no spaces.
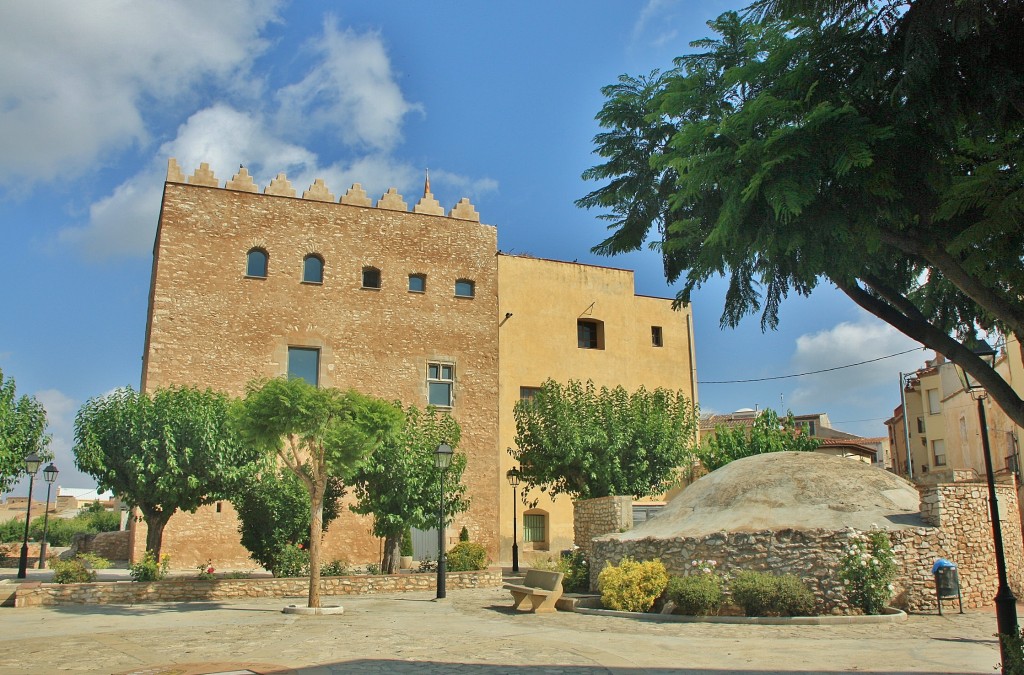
{"x":273,"y":512}
{"x":398,"y":483}
{"x":767,"y":434}
{"x":169,"y":451}
{"x":317,"y":434}
{"x":844,"y":147}
{"x":22,"y":432}
{"x":587,"y":442}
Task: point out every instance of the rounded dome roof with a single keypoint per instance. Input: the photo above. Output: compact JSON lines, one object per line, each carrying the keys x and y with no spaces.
{"x":787,"y":490}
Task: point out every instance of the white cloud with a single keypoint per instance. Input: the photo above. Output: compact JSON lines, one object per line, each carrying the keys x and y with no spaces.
{"x":77,"y":75}
{"x":60,"y":416}
{"x":463,"y":185}
{"x":654,"y":25}
{"x":351,"y":91}
{"x":848,"y":343}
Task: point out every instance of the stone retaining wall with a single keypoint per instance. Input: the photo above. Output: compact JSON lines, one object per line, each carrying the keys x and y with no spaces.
{"x":31,"y":594}
{"x":594,"y":517}
{"x":963,"y":535}
{"x":109,"y":545}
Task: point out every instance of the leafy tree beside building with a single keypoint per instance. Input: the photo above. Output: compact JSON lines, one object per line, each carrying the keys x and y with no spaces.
{"x":161,"y":453}
{"x":584,"y":441}
{"x":768,"y":433}
{"x":398,"y":482}
{"x":22,"y":432}
{"x":877,"y":146}
{"x":317,"y":434}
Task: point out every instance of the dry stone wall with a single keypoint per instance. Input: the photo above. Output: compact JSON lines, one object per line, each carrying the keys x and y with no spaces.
{"x":594,"y":517}
{"x":961,"y":532}
{"x":185,"y":590}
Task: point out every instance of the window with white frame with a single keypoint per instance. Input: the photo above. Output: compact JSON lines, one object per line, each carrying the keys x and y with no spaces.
{"x":440,"y":384}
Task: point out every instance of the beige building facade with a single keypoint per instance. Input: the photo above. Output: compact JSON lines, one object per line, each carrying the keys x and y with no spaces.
{"x":413,"y":304}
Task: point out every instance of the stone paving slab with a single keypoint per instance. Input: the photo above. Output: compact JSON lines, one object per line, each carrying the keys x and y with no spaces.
{"x":474,"y":631}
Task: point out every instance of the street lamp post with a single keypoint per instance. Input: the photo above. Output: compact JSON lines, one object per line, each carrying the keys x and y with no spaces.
{"x":442,"y":459}
{"x":513,"y":476}
{"x":32,"y":463}
{"x":1006,"y":603}
{"x":50,"y":474}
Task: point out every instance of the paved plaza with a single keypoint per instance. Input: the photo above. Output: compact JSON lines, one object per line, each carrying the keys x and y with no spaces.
{"x":473,"y":631}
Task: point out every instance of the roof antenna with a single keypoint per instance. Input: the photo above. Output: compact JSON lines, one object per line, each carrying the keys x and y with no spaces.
{"x":426,"y":183}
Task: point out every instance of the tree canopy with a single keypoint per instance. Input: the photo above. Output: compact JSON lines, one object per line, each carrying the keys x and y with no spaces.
{"x":768,"y":433}
{"x":587,"y":442}
{"x":317,"y":434}
{"x":845,"y":141}
{"x":174,"y":449}
{"x":398,"y":482}
{"x":22,"y":432}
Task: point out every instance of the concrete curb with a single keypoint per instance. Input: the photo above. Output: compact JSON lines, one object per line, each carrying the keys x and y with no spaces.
{"x":891,"y":616}
{"x":313,"y":611}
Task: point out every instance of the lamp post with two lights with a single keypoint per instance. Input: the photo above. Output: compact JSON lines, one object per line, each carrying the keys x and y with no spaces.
{"x":50,"y":475}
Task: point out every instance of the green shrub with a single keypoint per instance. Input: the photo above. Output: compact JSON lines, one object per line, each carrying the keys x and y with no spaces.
{"x":466,"y":556}
{"x":373,"y":568}
{"x":576,"y":572}
{"x":78,"y":570}
{"x":290,"y":561}
{"x":763,"y":594}
{"x":868,"y":569}
{"x":632,"y":586}
{"x":60,"y":531}
{"x":206,"y":570}
{"x":149,"y":569}
{"x":407,"y":542}
{"x":335,"y":568}
{"x":696,"y":595}
{"x":1013,"y":646}
{"x":72,"y":571}
{"x":463,"y":534}
{"x":12,"y":531}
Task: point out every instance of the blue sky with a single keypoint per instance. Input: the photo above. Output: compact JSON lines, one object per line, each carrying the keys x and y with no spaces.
{"x":497,"y":100}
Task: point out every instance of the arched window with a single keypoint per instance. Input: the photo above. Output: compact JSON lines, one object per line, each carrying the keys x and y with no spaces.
{"x":371,"y":277}
{"x":256,"y":263}
{"x":464,"y":288}
{"x":313,"y":269}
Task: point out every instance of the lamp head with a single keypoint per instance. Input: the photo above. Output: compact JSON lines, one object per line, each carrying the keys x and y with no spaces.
{"x":443,"y":456}
{"x":513,"y":475}
{"x":986,"y":353}
{"x":32,"y":463}
{"x":50,"y":473}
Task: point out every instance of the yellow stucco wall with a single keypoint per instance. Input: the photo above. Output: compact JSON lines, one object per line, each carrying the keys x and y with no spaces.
{"x":539,"y":341}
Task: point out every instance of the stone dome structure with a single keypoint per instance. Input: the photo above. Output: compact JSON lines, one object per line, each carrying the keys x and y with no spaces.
{"x":787,"y":491}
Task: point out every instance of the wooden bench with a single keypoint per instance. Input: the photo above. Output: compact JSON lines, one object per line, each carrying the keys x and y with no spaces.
{"x":541,"y":587}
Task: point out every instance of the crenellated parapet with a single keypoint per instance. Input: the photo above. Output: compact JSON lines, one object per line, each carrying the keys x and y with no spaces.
{"x":318,"y":191}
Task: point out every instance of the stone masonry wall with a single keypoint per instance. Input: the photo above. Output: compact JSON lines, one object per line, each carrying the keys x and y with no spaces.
{"x":211,"y":325}
{"x":602,"y":515}
{"x":109,"y":545}
{"x":964,"y":537}
{"x":191,"y":590}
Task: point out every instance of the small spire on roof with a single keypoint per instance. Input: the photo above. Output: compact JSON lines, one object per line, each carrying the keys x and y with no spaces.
{"x":426,"y":183}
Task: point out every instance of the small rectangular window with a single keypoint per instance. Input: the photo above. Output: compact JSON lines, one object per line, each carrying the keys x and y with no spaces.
{"x":304,"y":363}
{"x":656,"y":340}
{"x":939,"y":451}
{"x":527,"y":393}
{"x":440,"y":383}
{"x":920,"y":425}
{"x":533,"y":528}
{"x":590,"y":334}
{"x":371,"y":277}
{"x":464,"y":288}
{"x":934,"y":405}
{"x":417,"y":283}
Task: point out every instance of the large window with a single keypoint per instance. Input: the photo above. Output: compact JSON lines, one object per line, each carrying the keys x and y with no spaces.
{"x":256,"y":263}
{"x":313,"y":269}
{"x":464,"y":288}
{"x":590,"y":334}
{"x":440,"y":383}
{"x":304,"y":363}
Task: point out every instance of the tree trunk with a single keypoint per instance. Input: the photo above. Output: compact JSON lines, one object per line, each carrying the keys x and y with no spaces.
{"x":316,"y":528}
{"x":156,"y":521}
{"x":392,"y":553}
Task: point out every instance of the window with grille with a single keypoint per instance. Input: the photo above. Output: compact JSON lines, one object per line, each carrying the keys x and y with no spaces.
{"x":533,"y":527}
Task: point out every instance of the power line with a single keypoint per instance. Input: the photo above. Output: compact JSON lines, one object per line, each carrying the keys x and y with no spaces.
{"x":812,"y":372}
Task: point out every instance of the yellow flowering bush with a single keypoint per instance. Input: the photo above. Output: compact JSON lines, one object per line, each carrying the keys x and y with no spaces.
{"x":632,"y":586}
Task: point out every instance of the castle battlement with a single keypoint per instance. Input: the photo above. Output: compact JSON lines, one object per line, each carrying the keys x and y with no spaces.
{"x":318,"y":191}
